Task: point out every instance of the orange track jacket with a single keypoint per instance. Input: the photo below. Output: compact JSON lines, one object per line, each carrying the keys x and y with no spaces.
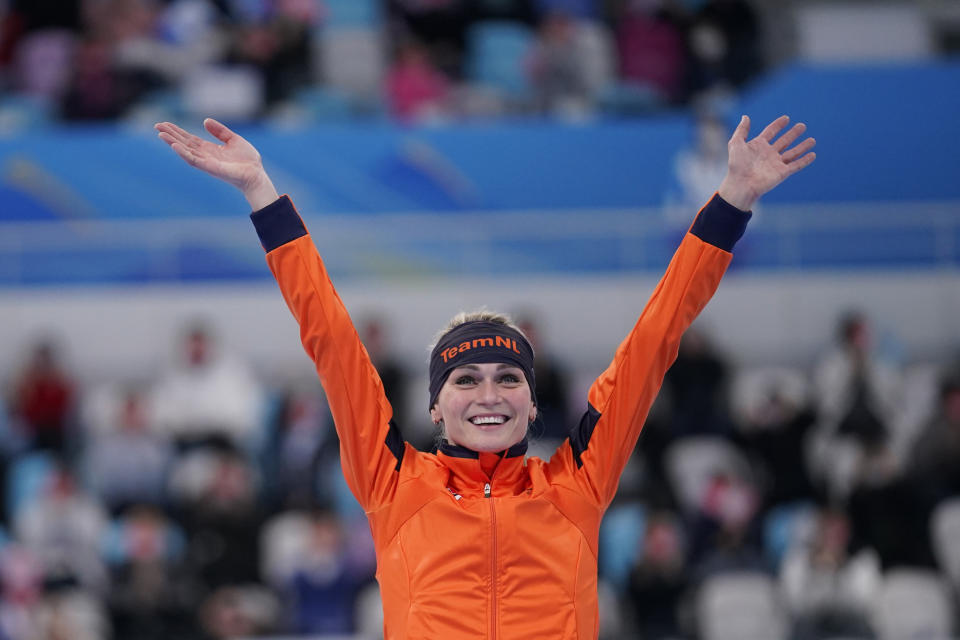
{"x":514,"y":555}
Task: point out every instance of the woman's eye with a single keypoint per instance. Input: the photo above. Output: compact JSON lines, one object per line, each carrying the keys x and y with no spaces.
{"x":464,"y":380}
{"x":510,"y":378}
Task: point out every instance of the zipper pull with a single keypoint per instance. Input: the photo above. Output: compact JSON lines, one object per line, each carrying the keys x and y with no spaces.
{"x":486,"y":490}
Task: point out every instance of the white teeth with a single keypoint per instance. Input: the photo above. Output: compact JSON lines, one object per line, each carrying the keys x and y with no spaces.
{"x":488,"y":420}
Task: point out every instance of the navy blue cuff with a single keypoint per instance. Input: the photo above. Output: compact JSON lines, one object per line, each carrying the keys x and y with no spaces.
{"x":720,"y":223}
{"x":278,"y":223}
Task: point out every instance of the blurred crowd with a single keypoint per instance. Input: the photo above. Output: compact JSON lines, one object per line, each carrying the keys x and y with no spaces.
{"x":409,"y":60}
{"x":199,"y":502}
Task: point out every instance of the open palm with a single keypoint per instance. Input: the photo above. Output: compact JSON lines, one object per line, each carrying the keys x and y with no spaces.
{"x":236,"y":161}
{"x":756,"y":166}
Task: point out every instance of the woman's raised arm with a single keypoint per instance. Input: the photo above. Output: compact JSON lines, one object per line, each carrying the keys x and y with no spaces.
{"x":370,"y":443}
{"x":620,"y":398}
{"x":236,"y":161}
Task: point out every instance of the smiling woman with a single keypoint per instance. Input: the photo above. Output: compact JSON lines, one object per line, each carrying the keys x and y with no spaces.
{"x":485,"y":407}
{"x":482,"y":382}
{"x":475,"y":540}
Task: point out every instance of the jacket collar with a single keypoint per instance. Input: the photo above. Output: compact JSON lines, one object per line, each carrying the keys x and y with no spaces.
{"x":467,"y":475}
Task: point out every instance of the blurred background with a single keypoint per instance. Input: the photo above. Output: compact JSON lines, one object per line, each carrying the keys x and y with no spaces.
{"x":168,"y":468}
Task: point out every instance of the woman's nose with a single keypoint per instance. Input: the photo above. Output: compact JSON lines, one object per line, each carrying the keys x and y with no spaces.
{"x":489,"y":392}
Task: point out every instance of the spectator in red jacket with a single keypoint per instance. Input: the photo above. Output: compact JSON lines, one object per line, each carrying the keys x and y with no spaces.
{"x":43,"y":399}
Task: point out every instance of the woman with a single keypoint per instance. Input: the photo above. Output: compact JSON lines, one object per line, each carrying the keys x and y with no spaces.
{"x":474,"y":541}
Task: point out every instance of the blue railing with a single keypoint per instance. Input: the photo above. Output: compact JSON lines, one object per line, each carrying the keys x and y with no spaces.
{"x":407,"y":246}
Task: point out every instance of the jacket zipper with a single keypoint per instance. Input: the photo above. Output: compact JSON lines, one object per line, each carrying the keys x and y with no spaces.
{"x":493,"y":564}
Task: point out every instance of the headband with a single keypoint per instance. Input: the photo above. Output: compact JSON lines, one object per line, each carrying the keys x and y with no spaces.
{"x":475,"y":342}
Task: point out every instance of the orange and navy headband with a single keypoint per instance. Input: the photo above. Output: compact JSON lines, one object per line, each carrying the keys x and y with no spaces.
{"x":475,"y":342}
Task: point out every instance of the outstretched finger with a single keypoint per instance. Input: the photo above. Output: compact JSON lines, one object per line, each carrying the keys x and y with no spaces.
{"x":802,"y":162}
{"x":177,"y":134}
{"x":775,"y":127}
{"x":218,"y":130}
{"x":742,"y":130}
{"x":166,"y":137}
{"x":170,"y":128}
{"x":789,"y":137}
{"x":792,"y":154}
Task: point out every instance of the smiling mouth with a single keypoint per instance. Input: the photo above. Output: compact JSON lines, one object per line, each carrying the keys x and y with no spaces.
{"x":488,"y":420}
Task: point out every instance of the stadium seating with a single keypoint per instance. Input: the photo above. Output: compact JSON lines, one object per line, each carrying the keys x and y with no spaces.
{"x":692,"y":463}
{"x":945,"y":533}
{"x":740,"y":606}
{"x":913,"y":603}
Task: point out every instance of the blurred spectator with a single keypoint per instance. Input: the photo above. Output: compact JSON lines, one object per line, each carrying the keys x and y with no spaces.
{"x":723,"y":536}
{"x":302,"y":436}
{"x":598,"y":58}
{"x":72,"y":613}
{"x":37,"y":40}
{"x":952,"y":369}
{"x":659,"y":579}
{"x":935,"y":458}
{"x":278,"y":45}
{"x":776,"y":432}
{"x":325,"y":586}
{"x":105,"y":59}
{"x":21,"y":590}
{"x":98,"y":87}
{"x":439,"y":24}
{"x":95,"y":90}
{"x":150,"y":598}
{"x":416,"y":90}
{"x":856,"y":388}
{"x":650,"y":454}
{"x":828,"y":591}
{"x":127,"y":462}
{"x":697,"y":384}
{"x":553,"y":394}
{"x":208,"y":395}
{"x":556,"y":68}
{"x":165,"y":42}
{"x":238,"y":612}
{"x":880,"y":488}
{"x":43,"y":399}
{"x":729,"y":501}
{"x":218,"y":494}
{"x":63,"y":527}
{"x":857,"y":396}
{"x":698,"y":170}
{"x":651,"y":48}
{"x":725,"y":46}
{"x":934,"y":462}
{"x":375,"y":335}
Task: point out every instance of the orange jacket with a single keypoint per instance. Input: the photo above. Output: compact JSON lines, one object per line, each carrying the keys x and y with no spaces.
{"x":464,"y":554}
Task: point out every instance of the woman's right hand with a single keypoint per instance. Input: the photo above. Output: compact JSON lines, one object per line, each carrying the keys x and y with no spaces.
{"x":756,"y":166}
{"x":235,"y":161}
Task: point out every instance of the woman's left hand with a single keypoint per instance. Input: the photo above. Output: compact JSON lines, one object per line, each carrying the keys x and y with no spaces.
{"x":755,"y":167}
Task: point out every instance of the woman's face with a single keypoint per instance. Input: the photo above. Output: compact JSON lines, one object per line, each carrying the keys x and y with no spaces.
{"x":485,"y":407}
